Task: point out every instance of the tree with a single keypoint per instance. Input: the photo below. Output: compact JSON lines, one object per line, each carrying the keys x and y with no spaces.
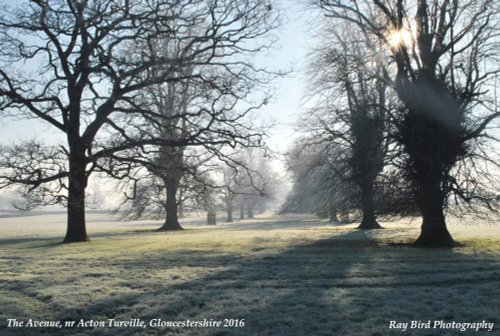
{"x":86,"y":77}
{"x":249,"y":182}
{"x":147,"y":189}
{"x":442,"y":64}
{"x":218,"y":107}
{"x":351,"y":111}
{"x":321,"y":179}
{"x":169,"y":162}
{"x":230,"y":183}
{"x":155,"y":190}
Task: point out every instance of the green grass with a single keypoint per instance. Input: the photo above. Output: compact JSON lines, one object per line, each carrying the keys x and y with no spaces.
{"x":282,"y":276}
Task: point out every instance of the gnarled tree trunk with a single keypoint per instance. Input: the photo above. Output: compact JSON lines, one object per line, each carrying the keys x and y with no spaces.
{"x":434,"y":232}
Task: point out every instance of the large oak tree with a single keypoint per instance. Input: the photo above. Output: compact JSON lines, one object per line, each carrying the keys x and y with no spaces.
{"x":77,"y":65}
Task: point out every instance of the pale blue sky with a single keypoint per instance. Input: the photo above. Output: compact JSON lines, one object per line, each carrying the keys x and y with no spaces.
{"x":294,"y":43}
{"x":290,"y":52}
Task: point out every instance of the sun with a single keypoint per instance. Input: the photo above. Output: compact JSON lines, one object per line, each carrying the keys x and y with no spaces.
{"x":398,"y":39}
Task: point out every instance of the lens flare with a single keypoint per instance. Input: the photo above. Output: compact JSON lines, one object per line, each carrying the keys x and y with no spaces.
{"x":398,"y":39}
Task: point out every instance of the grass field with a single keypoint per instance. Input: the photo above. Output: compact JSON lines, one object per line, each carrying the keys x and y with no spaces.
{"x":276,"y":275}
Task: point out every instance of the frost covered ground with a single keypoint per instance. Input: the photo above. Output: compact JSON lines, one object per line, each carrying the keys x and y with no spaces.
{"x":282,"y":275}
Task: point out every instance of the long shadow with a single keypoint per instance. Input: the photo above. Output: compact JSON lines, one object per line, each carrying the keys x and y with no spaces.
{"x":39,"y":242}
{"x":281,"y":224}
{"x":151,"y":228}
{"x":54,"y":241}
{"x":346,"y":285}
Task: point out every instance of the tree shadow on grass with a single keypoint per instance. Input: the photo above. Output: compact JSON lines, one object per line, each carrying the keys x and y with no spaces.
{"x":55,"y":241}
{"x":279,"y":224}
{"x":30,"y":242}
{"x":345,"y":285}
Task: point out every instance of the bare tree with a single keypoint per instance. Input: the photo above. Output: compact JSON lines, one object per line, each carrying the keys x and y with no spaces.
{"x":321,"y":179}
{"x":68,"y":63}
{"x":442,"y":62}
{"x":158,"y":186}
{"x":351,"y":110}
{"x":184,"y":108}
{"x":160,"y":168}
{"x":249,"y":182}
{"x":231,"y":185}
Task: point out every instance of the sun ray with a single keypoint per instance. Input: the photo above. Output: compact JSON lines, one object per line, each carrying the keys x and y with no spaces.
{"x":399,"y":38}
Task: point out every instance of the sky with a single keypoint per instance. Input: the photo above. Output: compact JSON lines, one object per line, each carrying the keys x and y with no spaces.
{"x":295,"y":42}
{"x":289,"y":53}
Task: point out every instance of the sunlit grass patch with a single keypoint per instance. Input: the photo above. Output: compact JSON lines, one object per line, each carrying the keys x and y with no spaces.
{"x":481,"y":244}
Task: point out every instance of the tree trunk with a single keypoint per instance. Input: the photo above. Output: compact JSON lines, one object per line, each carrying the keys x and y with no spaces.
{"x":369,"y":221}
{"x":250,"y":210}
{"x":344,"y":216}
{"x":432,"y":134}
{"x":180,"y":208}
{"x":77,"y":182}
{"x":434,"y":232}
{"x":229,"y":210}
{"x":333,"y":214}
{"x":211,"y":218}
{"x":242,"y":210}
{"x":171,"y":221}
